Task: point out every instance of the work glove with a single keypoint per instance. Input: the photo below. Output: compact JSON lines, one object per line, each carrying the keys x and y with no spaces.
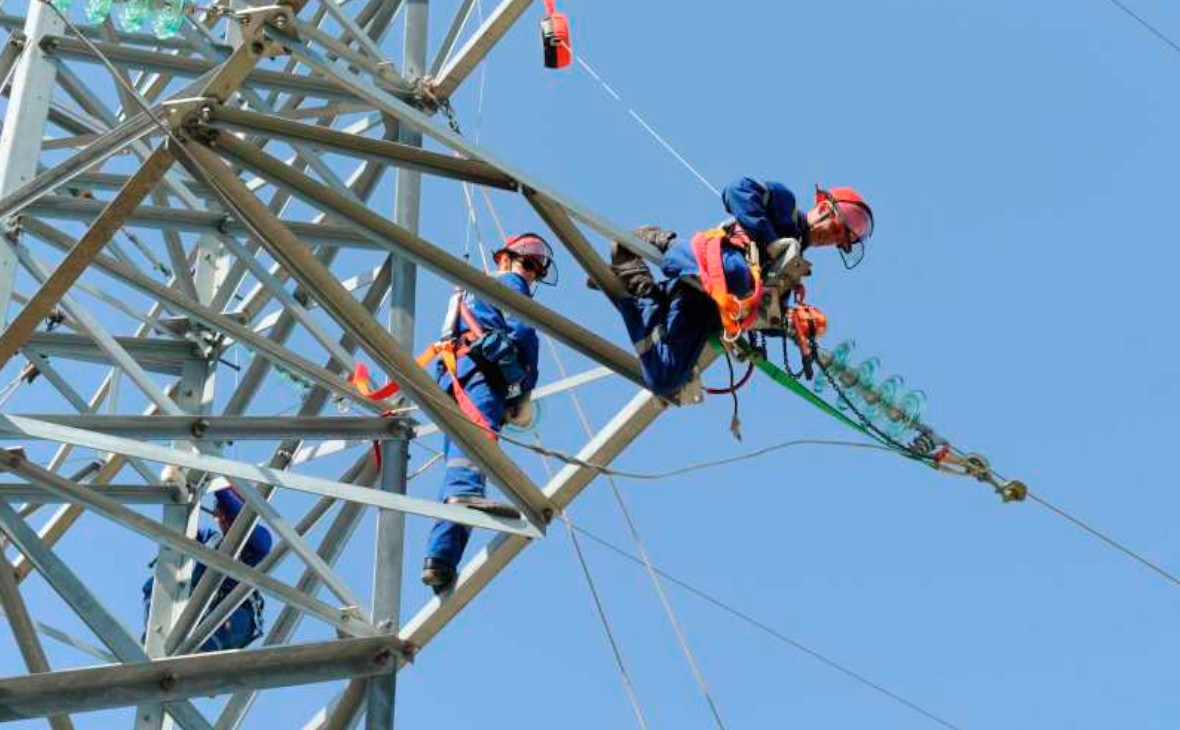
{"x":656,"y":236}
{"x":521,"y":413}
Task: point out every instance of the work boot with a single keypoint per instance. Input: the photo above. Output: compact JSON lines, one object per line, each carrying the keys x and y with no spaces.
{"x":630,"y":267}
{"x":487,"y":506}
{"x":438,"y":575}
{"x":631,"y":270}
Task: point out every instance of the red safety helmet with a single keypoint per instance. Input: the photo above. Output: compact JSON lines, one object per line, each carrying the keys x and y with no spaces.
{"x":533,"y":251}
{"x":854,"y":214}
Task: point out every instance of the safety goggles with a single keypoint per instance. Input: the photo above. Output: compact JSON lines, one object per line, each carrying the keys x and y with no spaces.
{"x":535,"y":255}
{"x":857,"y":223}
{"x":540,"y":267}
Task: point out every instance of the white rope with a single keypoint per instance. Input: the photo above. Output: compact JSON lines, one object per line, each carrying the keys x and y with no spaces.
{"x":659,"y":138}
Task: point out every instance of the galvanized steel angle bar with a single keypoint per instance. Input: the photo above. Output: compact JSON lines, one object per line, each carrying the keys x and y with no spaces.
{"x":280,"y":356}
{"x":309,"y":557}
{"x":105,"y":626}
{"x":333,"y":543}
{"x":25,"y":633}
{"x":76,"y":261}
{"x":34,"y":429}
{"x":389,"y":104}
{"x":169,"y":680}
{"x":224,"y":117}
{"x":497,"y":23}
{"x":401,"y":241}
{"x":129,"y":518}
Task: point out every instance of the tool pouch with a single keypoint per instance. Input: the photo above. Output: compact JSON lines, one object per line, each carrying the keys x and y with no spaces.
{"x":498,"y":353}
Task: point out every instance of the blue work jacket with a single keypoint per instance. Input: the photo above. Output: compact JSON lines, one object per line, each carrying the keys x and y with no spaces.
{"x":766,"y":211}
{"x":257,"y":546}
{"x":528,"y":346}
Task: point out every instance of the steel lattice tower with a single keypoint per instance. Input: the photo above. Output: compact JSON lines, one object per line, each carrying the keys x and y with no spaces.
{"x":242,"y":247}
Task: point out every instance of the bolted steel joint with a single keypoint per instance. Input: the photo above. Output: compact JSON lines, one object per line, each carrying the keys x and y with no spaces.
{"x":13,"y":457}
{"x":199,"y":428}
{"x":168,"y":681}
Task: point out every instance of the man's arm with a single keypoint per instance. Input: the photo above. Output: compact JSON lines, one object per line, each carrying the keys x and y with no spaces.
{"x":757,"y":207}
{"x":259,"y":544}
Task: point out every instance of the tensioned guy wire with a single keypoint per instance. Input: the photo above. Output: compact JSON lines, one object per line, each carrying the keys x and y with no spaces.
{"x":600,"y":609}
{"x":666,"y":605}
{"x":774,"y":633}
{"x":642,"y":122}
{"x":1143,"y":22}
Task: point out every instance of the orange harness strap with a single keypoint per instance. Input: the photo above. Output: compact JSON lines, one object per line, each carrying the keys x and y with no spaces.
{"x":737,"y":314}
{"x":449,"y":351}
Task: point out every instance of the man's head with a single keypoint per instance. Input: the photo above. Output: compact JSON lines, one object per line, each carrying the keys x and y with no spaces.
{"x":841,"y":218}
{"x":528,"y":256}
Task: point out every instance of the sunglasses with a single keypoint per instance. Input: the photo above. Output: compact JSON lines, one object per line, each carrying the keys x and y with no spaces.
{"x":534,"y":265}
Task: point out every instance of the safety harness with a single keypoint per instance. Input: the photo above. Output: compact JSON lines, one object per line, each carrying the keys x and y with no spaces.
{"x":453,"y":346}
{"x":738,"y":314}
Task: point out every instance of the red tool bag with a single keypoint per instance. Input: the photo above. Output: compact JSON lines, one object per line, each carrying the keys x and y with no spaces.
{"x":555,"y":37}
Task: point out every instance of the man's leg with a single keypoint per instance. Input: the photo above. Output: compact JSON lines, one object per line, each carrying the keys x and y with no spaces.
{"x":463,"y":480}
{"x":668,"y":330}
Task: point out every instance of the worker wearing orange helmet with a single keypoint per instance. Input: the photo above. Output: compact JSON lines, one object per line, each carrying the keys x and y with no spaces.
{"x":495,"y":372}
{"x":671,"y":321}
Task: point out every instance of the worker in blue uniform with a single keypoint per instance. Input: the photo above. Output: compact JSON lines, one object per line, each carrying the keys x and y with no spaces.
{"x":670,"y":321}
{"x":244,"y":625}
{"x":495,"y":373}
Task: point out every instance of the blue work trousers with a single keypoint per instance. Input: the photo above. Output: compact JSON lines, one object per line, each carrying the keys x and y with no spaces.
{"x":669,"y":330}
{"x":236,"y":633}
{"x":463,"y":478}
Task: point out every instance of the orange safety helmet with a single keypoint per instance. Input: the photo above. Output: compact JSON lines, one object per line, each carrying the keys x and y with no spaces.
{"x":529,"y":247}
{"x":854,"y":214}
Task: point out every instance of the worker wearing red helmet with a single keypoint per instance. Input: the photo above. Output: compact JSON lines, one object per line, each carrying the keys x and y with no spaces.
{"x":496,"y":367}
{"x":671,"y":321}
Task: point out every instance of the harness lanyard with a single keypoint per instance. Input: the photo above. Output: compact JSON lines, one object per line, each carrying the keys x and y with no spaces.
{"x":450,"y":349}
{"x":453,"y":346}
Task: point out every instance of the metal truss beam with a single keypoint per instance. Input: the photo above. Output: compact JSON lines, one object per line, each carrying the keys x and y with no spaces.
{"x":152,"y":353}
{"x":172,"y":299}
{"x":70,"y":269}
{"x":33,"y":429}
{"x":219,"y":614}
{"x":298,"y":259}
{"x":187,"y":67}
{"x":230,"y":428}
{"x":383,"y":151}
{"x":424,"y":253}
{"x":169,"y":680}
{"x":25,"y":633}
{"x":497,"y":23}
{"x":124,"y":493}
{"x":389,"y":104}
{"x":193,"y":221}
{"x":67,"y":585}
{"x":112,"y":510}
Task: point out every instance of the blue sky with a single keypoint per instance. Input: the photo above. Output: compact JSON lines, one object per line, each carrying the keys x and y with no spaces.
{"x":1020,"y":160}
